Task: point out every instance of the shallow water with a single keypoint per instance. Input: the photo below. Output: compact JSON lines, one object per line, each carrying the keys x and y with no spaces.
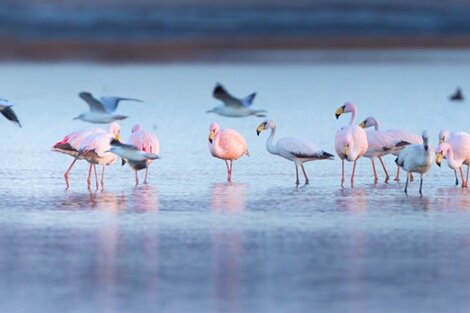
{"x":190,"y":242}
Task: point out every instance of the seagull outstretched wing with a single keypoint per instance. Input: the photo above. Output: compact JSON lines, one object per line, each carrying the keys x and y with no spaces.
{"x":95,"y":105}
{"x":111,"y":103}
{"x":9,"y":114}
{"x":220,"y":93}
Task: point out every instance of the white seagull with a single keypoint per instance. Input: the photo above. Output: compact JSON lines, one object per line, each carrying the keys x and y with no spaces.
{"x":7,"y":111}
{"x":234,"y":107}
{"x":350,"y":140}
{"x":400,"y":134}
{"x":101,"y":111}
{"x":456,"y":150}
{"x":142,"y":148}
{"x":416,"y":158}
{"x":297,"y":150}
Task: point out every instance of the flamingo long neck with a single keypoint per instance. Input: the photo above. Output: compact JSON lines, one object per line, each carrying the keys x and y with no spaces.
{"x":353,"y":115}
{"x":451,"y":161}
{"x":269,"y":142}
{"x":215,"y":144}
{"x":376,"y":125}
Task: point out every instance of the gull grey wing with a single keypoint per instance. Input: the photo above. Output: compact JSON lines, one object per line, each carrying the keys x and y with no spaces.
{"x":94,"y":104}
{"x":111,"y":103}
{"x":10,"y":115}
{"x":221,"y":94}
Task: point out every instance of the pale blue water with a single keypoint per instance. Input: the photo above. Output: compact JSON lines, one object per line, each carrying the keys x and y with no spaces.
{"x":188,"y":242}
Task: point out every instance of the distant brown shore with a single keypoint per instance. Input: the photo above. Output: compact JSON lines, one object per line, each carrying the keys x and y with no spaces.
{"x":202,"y":50}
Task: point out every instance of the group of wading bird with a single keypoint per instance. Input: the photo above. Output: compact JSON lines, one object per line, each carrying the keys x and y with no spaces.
{"x":413,"y":153}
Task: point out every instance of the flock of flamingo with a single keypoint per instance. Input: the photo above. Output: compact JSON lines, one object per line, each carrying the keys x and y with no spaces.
{"x":102,"y":147}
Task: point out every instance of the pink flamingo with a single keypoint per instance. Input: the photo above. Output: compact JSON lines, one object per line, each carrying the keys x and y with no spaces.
{"x":70,"y":145}
{"x":228,"y":145}
{"x":350,"y":141}
{"x":95,"y":148}
{"x":146,"y":142}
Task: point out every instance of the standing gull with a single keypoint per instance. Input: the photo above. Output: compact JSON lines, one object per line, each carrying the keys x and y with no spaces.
{"x":297,"y":150}
{"x":7,"y":111}
{"x":350,"y":140}
{"x":234,"y":107}
{"x":226,"y":144}
{"x":101,"y":111}
{"x":416,"y":158}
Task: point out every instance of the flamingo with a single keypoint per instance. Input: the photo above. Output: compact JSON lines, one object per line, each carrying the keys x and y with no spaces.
{"x":456,"y":150}
{"x":7,"y":111}
{"x":146,"y":142}
{"x":350,"y":140}
{"x":70,"y":145}
{"x":400,"y":134}
{"x":234,"y":107}
{"x":297,"y":150}
{"x":101,"y":111}
{"x":444,"y":135}
{"x":416,"y":158}
{"x":228,"y":145}
{"x":95,"y":148}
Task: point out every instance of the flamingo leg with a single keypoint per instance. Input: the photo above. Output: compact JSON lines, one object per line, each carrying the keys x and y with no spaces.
{"x":406,"y":184}
{"x":96,"y":177}
{"x":88,"y":180}
{"x":296,"y":175}
{"x":397,"y":177}
{"x":66,"y":174}
{"x":146,"y":174}
{"x":353,"y":172}
{"x":464,"y":183}
{"x":412,"y":177}
{"x":376,"y":178}
{"x":230,"y":172}
{"x":387,"y":177}
{"x":305,"y":174}
{"x":421,"y":185}
{"x":466,"y":180}
{"x":456,"y":178}
{"x":342,"y":173}
{"x":136,"y":178}
{"x":102,"y":177}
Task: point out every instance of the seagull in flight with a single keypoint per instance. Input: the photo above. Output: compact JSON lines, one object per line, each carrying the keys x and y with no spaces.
{"x":234,"y":107}
{"x":7,"y":111}
{"x":101,"y":110}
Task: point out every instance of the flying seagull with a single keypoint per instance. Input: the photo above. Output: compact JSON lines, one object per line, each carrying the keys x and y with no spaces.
{"x":234,"y":107}
{"x":7,"y":111}
{"x":130,"y":153}
{"x":101,"y":111}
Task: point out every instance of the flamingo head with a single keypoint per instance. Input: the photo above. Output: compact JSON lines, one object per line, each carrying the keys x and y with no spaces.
{"x":369,"y":122}
{"x":267,"y":124}
{"x":214,"y":129}
{"x":136,"y":128}
{"x":115,"y":130}
{"x":444,"y":135}
{"x":442,"y":151}
{"x":347,"y":107}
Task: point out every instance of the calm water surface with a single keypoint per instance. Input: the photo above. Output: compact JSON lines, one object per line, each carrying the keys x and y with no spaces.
{"x":190,"y":242}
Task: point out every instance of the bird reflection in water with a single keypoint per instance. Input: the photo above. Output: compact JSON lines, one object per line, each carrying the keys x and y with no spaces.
{"x":145,"y":198}
{"x":352,"y":200}
{"x":228,"y":197}
{"x":106,"y":201}
{"x":228,"y":248}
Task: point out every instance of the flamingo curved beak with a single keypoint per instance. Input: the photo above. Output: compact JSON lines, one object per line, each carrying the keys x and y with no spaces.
{"x":339,"y":111}
{"x":211,"y":136}
{"x":439,"y":158}
{"x":260,"y":128}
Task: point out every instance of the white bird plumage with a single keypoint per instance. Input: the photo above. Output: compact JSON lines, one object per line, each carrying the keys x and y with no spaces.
{"x":416,"y":158}
{"x":228,"y":145}
{"x":101,"y":111}
{"x":350,"y":140}
{"x":456,"y":150}
{"x":295,"y":149}
{"x":234,"y":107}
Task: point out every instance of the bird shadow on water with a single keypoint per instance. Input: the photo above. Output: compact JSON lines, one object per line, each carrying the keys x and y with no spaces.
{"x":228,"y":197}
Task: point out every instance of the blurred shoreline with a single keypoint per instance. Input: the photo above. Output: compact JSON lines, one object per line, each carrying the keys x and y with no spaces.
{"x":222,"y":50}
